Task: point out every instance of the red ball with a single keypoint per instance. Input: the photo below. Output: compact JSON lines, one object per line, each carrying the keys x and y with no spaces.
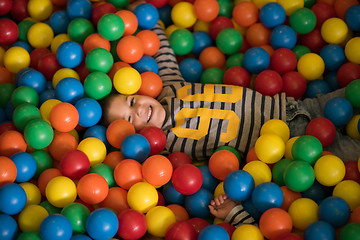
{"x":156,"y":138}
{"x":313,"y":40}
{"x":5,"y":6}
{"x":100,"y":10}
{"x":352,"y":171}
{"x":283,"y":60}
{"x":179,"y":158}
{"x":132,"y":224}
{"x":198,"y":223}
{"x":238,"y":76}
{"x":228,"y":227}
{"x":347,"y":73}
{"x":219,"y":24}
{"x":48,"y":65}
{"x":36,"y":55}
{"x":7,"y":127}
{"x":157,"y":3}
{"x":288,"y":236}
{"x":74,"y":164}
{"x":19,"y":10}
{"x":187,"y":179}
{"x":323,"y":129}
{"x":181,"y":230}
{"x":322,"y":11}
{"x":268,"y":82}
{"x":9,"y":31}
{"x":294,"y":84}
{"x":161,"y":199}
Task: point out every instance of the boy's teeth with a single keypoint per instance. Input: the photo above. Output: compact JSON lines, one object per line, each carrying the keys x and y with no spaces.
{"x":149,"y":114}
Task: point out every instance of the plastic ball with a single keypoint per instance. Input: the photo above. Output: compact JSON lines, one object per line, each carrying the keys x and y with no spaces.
{"x":307,"y":148}
{"x":303,"y":212}
{"x":146,"y":64}
{"x":128,"y":172}
{"x":157,"y":170}
{"x":147,"y":15}
{"x":98,"y":131}
{"x":99,"y":59}
{"x":316,"y":87}
{"x":135,"y":146}
{"x":31,"y":217}
{"x":206,"y":10}
{"x":222,"y":162}
{"x":55,"y":226}
{"x":257,"y":35}
{"x":12,"y":198}
{"x":181,"y":229}
{"x":92,"y":188}
{"x":283,"y":36}
{"x":339,"y":111}
{"x":351,"y":17}
{"x":64,"y":117}
{"x":151,"y":41}
{"x":351,"y":50}
{"x":95,"y":40}
{"x":117,"y":131}
{"x":278,"y":170}
{"x":97,"y":85}
{"x":283,"y":60}
{"x":79,"y":29}
{"x":102,"y":223}
{"x":130,"y":49}
{"x":151,"y":84}
{"x":23,"y":114}
{"x":334,"y":31}
{"x":130,"y":21}
{"x":299,"y":176}
{"x":8,"y":171}
{"x":347,"y":73}
{"x":256,"y":60}
{"x":229,"y":41}
{"x":311,"y":66}
{"x":238,"y":185}
{"x":45,"y":177}
{"x":9,"y":31}
{"x":94,"y":148}
{"x":171,"y":195}
{"x":245,"y":14}
{"x":212,"y":76}
{"x":132,"y":224}
{"x":213,"y":232}
{"x":333,"y":56}
{"x":127,"y":80}
{"x":25,"y":165}
{"x":294,"y":84}
{"x":16,"y":59}
{"x":197,"y":204}
{"x":348,"y":190}
{"x":247,"y":231}
{"x":38,"y":134}
{"x":335,"y":211}
{"x":183,"y":14}
{"x":289,"y":197}
{"x":142,"y":196}
{"x":323,"y":129}
{"x":272,"y":14}
{"x":77,"y":214}
{"x":184,"y":182}
{"x":61,"y":191}
{"x":6,"y":7}
{"x":59,"y":21}
{"x":74,"y":164}
{"x":181,"y":41}
{"x":259,"y":170}
{"x":267,"y":195}
{"x":156,"y":138}
{"x":268,"y":82}
{"x":89,"y":110}
{"x":319,"y":229}
{"x":212,"y":57}
{"x":202,"y":40}
{"x":111,"y":26}
{"x":269,"y":148}
{"x":351,"y":91}
{"x":61,"y":144}
{"x":69,"y":54}
{"x":275,"y":222}
{"x":32,"y":192}
{"x":116,"y":200}
{"x":34,"y":79}
{"x":302,"y":20}
{"x":329,"y":170}
{"x":209,"y":181}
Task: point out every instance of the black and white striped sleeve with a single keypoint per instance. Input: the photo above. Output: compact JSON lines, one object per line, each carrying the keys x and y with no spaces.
{"x":239,"y":216}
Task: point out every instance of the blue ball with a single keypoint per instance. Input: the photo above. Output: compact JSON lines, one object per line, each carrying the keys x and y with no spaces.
{"x":79,"y":9}
{"x":267,"y":195}
{"x":12,"y":198}
{"x":98,"y":131}
{"x":69,"y":54}
{"x":102,"y":224}
{"x":352,"y":17}
{"x":339,"y":111}
{"x":319,"y":230}
{"x":283,"y":36}
{"x":22,"y":44}
{"x":202,"y":40}
{"x":25,"y":165}
{"x":209,"y":181}
{"x":238,"y":185}
{"x":89,"y":110}
{"x":55,"y":227}
{"x":316,"y":192}
{"x":135,"y":146}
{"x":331,"y":78}
{"x":316,"y":87}
{"x":33,"y":79}
{"x":272,"y":14}
{"x":46,"y":95}
{"x":146,"y":64}
{"x":59,"y":22}
{"x":80,"y":237}
{"x":213,"y":232}
{"x":147,"y":15}
{"x":9,"y":110}
{"x":8,"y":227}
{"x":165,"y":15}
{"x":69,"y":90}
{"x":197,"y":204}
{"x":19,"y":74}
{"x":256,"y":60}
{"x":333,"y":56}
{"x":251,"y":209}
{"x":171,"y":195}
{"x":3,"y":117}
{"x":335,"y":211}
{"x":191,"y":70}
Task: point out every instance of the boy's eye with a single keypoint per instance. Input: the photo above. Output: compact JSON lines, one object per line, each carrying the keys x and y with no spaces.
{"x":132,"y":102}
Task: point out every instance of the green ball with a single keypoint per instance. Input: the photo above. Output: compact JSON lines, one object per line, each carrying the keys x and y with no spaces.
{"x":212,"y":76}
{"x":309,"y":3}
{"x":229,"y":41}
{"x":24,"y":27}
{"x":29,"y":235}
{"x":300,"y":50}
{"x":79,"y":29}
{"x":279,"y":169}
{"x":350,"y":231}
{"x":23,"y":114}
{"x":111,"y":26}
{"x":106,"y":171}
{"x":302,"y":20}
{"x":38,"y":134}
{"x":51,"y":209}
{"x":99,"y":59}
{"x":299,"y":176}
{"x":181,"y":41}
{"x":352,"y":93}
{"x":24,"y":94}
{"x":119,"y":3}
{"x":6,"y":90}
{"x":77,"y":214}
{"x":235,"y":60}
{"x":97,"y":85}
{"x":307,"y":148}
{"x":231,"y":149}
{"x":43,"y":161}
{"x":225,"y":8}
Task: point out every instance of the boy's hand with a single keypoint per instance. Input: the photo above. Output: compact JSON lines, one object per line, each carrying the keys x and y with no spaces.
{"x":221,"y":206}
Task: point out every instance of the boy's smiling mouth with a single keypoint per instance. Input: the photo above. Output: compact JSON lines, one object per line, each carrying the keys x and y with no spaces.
{"x":149,"y":114}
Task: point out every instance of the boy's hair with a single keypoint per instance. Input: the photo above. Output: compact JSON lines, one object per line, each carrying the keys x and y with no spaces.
{"x":105,"y":104}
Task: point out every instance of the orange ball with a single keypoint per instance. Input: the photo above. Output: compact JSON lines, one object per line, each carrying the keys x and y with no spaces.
{"x":116,"y":200}
{"x":289,"y":197}
{"x":92,"y":188}
{"x":95,"y":40}
{"x":275,"y":222}
{"x":117,"y":131}
{"x":8,"y":170}
{"x":157,"y":170}
{"x":64,"y":117}
{"x":206,"y":10}
{"x":45,"y":177}
{"x":355,"y":215}
{"x":128,"y":172}
{"x":61,"y":144}
{"x":150,"y":40}
{"x":180,"y":212}
{"x":251,"y":156}
{"x":12,"y":142}
{"x":268,"y":48}
{"x":341,"y":6}
{"x":113,"y":158}
{"x":212,"y":57}
{"x":115,"y":67}
{"x":130,"y":21}
{"x":151,"y":84}
{"x":5,"y":76}
{"x":258,"y":35}
{"x":245,"y":14}
{"x":130,"y":49}
{"x":223,"y":162}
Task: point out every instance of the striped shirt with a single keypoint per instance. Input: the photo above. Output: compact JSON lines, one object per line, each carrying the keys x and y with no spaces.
{"x":203,"y":117}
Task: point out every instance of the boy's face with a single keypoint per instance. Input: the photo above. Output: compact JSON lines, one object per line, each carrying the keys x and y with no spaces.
{"x":141,"y":111}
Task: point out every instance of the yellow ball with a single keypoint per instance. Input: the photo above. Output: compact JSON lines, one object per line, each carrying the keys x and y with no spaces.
{"x":348,"y":190}
{"x":311,"y":66}
{"x":94,"y":149}
{"x":16,"y":58}
{"x":269,"y":148}
{"x":31,"y":217}
{"x":58,"y":40}
{"x":33,"y":193}
{"x":277,"y":127}
{"x":288,"y":147}
{"x":261,"y":3}
{"x":159,"y":219}
{"x":352,"y":129}
{"x":170,"y":29}
{"x":247,"y":232}
{"x":40,"y":9}
{"x":61,"y":191}
{"x":46,"y":108}
{"x":2,"y":53}
{"x":40,"y":35}
{"x":334,"y":31}
{"x":64,"y":73}
{"x":183,"y":15}
{"x":142,"y":196}
{"x":219,"y":190}
{"x":291,"y":6}
{"x":202,"y":26}
{"x":303,"y":212}
{"x":240,"y":29}
{"x":329,"y":170}
{"x":352,"y":50}
{"x":127,"y":80}
{"x":259,"y":170}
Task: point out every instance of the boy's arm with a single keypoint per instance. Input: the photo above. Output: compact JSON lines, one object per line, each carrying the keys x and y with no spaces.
{"x":239,"y":216}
